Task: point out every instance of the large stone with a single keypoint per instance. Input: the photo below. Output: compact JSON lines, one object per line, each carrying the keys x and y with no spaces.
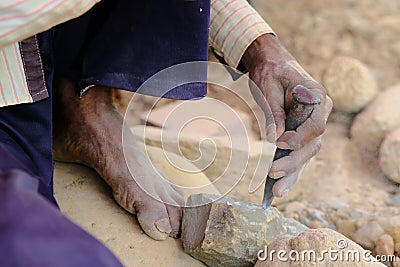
{"x":235,"y":164}
{"x":228,"y":232}
{"x":191,"y":182}
{"x":311,"y":248}
{"x":381,"y":117}
{"x":389,"y":155}
{"x":349,"y":83}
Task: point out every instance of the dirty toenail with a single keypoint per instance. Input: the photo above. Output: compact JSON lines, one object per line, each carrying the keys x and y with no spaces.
{"x":175,"y":234}
{"x":163,"y":225}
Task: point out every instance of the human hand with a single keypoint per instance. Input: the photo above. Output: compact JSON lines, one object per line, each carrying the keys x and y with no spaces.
{"x":275,"y":72}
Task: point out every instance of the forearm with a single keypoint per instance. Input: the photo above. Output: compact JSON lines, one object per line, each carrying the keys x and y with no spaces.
{"x":234,"y":25}
{"x":21,"y":19}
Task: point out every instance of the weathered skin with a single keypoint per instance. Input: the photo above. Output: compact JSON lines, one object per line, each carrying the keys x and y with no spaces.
{"x":88,"y":130}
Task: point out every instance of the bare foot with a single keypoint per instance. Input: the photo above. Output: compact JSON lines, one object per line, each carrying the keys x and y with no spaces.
{"x":88,"y":130}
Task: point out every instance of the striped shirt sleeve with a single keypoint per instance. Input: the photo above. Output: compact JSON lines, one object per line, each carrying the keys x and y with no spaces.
{"x":234,"y":25}
{"x":20,"y":19}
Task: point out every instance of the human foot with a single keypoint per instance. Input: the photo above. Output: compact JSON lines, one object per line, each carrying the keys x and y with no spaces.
{"x":88,"y":130}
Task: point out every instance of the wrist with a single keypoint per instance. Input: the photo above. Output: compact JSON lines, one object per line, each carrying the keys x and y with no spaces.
{"x":257,"y":48}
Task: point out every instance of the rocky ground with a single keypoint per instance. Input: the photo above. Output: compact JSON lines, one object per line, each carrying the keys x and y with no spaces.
{"x":350,"y":186}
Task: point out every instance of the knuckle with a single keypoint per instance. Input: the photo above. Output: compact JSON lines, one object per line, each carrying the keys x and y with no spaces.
{"x":318,"y":126}
{"x":316,"y":148}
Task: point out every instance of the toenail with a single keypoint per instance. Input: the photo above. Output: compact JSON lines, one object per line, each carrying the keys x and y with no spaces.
{"x":163,"y":225}
{"x":175,"y":234}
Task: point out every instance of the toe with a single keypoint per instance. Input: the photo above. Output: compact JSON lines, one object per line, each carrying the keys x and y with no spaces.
{"x":154,"y":220}
{"x":175,"y":219}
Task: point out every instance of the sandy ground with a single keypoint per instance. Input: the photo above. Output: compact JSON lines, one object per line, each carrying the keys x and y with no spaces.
{"x":86,"y":199}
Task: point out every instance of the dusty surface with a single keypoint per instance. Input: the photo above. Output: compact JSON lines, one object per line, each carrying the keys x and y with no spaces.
{"x":86,"y":200}
{"x":339,"y":189}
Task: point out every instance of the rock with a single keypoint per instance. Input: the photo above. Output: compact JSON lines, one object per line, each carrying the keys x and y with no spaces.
{"x":232,"y":164}
{"x":316,"y":242}
{"x":317,"y":224}
{"x":394,"y":201}
{"x":229,"y":232}
{"x":380,"y":117}
{"x":193,"y":117}
{"x":397,"y":262}
{"x":349,"y":83}
{"x":295,"y":206}
{"x":389,"y":155}
{"x":346,"y":227}
{"x":191,"y":182}
{"x":391,"y":225}
{"x":384,"y":245}
{"x":367,"y":234}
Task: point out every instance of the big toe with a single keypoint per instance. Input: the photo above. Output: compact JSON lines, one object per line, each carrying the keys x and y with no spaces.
{"x":154,"y":220}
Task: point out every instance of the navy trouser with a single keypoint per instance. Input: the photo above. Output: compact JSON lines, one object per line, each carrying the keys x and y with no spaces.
{"x":117,"y":44}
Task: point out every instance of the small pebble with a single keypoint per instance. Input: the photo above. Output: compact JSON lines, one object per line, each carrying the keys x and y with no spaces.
{"x":384,"y":245}
{"x":367,"y":234}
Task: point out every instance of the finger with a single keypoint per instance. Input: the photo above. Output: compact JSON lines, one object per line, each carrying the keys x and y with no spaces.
{"x":275,"y":98}
{"x":309,"y":130}
{"x":261,"y":101}
{"x":285,"y":184}
{"x":290,"y":164}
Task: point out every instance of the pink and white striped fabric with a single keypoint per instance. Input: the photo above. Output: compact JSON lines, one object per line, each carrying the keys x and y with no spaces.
{"x":234,"y":26}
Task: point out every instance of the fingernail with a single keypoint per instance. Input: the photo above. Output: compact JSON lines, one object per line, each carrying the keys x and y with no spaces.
{"x":291,"y":146}
{"x":284,"y":192}
{"x":163,"y":225}
{"x":295,"y":146}
{"x":283,"y":145}
{"x":277,"y":174}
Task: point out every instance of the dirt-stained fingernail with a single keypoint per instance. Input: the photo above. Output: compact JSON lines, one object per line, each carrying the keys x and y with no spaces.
{"x":175,"y":234}
{"x":277,"y":174}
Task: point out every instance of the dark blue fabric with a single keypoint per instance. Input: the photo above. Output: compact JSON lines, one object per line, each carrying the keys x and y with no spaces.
{"x":26,"y":129}
{"x":121,"y":44}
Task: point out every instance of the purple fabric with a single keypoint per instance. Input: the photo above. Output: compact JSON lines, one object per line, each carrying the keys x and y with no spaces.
{"x":35,"y":233}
